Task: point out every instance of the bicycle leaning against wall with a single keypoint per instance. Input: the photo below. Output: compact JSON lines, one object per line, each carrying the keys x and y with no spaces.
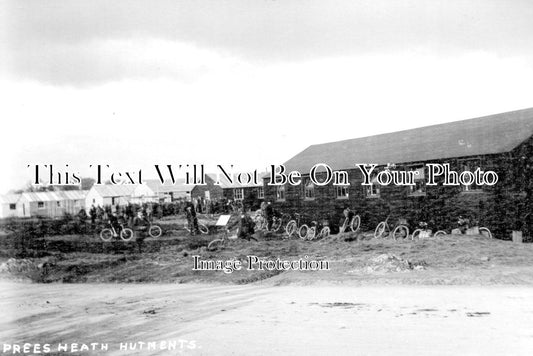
{"x":466,"y":227}
{"x":422,"y":232}
{"x":352,"y":221}
{"x":316,"y":230}
{"x":295,"y":227}
{"x":280,"y":222}
{"x":397,"y":231}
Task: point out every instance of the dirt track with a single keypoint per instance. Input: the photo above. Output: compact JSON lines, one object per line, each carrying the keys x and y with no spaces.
{"x":470,"y":296}
{"x":261,"y":319}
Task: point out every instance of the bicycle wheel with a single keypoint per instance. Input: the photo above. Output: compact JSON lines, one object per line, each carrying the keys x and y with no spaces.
{"x":215,"y":244}
{"x":400,"y":232}
{"x":485,"y":232}
{"x":325,"y":232}
{"x":356,"y":223}
{"x":440,"y":233}
{"x":106,"y":235}
{"x":290,"y":229}
{"x":416,"y":234}
{"x":380,"y":230}
{"x":311,"y":233}
{"x":203,"y":229}
{"x":155,"y":231}
{"x":302,"y":231}
{"x":126,"y":234}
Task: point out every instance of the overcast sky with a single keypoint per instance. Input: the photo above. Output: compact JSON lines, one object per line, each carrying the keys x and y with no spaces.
{"x":250,"y":83}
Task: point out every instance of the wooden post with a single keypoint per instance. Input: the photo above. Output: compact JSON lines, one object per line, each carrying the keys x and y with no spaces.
{"x":517,"y":236}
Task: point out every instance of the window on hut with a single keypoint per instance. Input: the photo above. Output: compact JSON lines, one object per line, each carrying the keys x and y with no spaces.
{"x":470,"y":165}
{"x":280,"y":192}
{"x":419,"y":189}
{"x":238,"y":194}
{"x":341,"y":192}
{"x":372,"y":190}
{"x":309,"y":189}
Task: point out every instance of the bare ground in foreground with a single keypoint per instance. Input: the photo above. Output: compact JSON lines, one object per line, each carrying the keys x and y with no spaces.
{"x":259,"y":319}
{"x":454,"y":295}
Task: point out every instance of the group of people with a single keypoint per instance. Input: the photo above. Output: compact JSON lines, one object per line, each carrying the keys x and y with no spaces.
{"x":241,"y":219}
{"x":246,"y":225}
{"x":215,"y":206}
{"x":129,"y":214}
{"x":134,"y":215}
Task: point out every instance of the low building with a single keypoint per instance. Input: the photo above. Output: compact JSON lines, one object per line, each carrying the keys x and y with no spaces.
{"x":51,"y":204}
{"x":250,"y":194}
{"x":152,"y":191}
{"x":109,"y":195}
{"x":207,"y":191}
{"x":8,"y":205}
{"x":502,"y":143}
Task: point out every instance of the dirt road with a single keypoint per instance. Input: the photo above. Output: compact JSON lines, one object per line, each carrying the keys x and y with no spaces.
{"x":290,"y":320}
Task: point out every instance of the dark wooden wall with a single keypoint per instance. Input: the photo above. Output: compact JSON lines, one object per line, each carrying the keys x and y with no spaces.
{"x":215,"y":191}
{"x":502,"y":207}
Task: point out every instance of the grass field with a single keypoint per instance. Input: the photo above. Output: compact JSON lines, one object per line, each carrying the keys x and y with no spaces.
{"x":379,"y":297}
{"x":451,"y":259}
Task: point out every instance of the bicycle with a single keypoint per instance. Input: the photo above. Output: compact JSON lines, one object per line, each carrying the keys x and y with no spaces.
{"x":311,"y":234}
{"x":279,"y":222}
{"x":201,"y":227}
{"x":294,"y":226}
{"x":354,"y":224}
{"x":218,"y":243}
{"x":153,"y":230}
{"x":221,"y":242}
{"x":398,"y":230}
{"x":422,"y":232}
{"x":125,"y":233}
{"x":464,"y":228}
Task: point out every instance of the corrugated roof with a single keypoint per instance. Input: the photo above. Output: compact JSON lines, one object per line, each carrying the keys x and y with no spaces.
{"x":112,"y":190}
{"x":74,"y":194}
{"x":480,"y":136}
{"x":41,"y":196}
{"x":55,"y":196}
{"x":9,"y":198}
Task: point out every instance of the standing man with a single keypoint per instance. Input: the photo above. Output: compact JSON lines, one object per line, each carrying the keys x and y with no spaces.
{"x":92,"y":214}
{"x":348,"y":216}
{"x":192,"y":221}
{"x":269,"y":213}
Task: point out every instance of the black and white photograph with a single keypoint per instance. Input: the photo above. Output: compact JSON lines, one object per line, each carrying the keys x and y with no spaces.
{"x":266,"y":177}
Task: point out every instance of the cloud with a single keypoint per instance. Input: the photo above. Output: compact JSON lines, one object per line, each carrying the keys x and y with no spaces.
{"x":91,"y":42}
{"x":112,"y":60}
{"x":248,"y":115}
